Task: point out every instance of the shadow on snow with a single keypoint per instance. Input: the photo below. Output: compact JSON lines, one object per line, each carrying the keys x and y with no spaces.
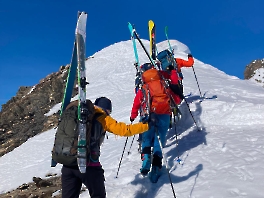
{"x":179,"y":147}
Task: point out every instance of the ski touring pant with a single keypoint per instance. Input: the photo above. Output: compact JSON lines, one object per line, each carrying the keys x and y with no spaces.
{"x":150,"y":138}
{"x":72,"y":180}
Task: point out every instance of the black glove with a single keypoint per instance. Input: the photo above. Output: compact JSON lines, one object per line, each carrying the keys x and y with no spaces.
{"x":170,"y":67}
{"x":132,"y":119}
{"x":189,"y":55}
{"x":144,"y":119}
{"x":180,"y":75}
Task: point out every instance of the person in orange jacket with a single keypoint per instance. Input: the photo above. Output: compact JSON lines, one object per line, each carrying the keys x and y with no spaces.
{"x":71,"y":178}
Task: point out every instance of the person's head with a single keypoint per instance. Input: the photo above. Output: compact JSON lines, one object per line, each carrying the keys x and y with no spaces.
{"x":146,"y":66}
{"x":104,"y":103}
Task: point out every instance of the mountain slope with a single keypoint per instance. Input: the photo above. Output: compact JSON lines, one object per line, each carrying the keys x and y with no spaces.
{"x":225,"y":159}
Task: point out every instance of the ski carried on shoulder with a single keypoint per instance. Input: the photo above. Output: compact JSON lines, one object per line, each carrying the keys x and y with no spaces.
{"x":80,"y":36}
{"x":138,"y":81}
{"x":69,"y":84}
{"x":152,"y":39}
{"x":166,"y":34}
{"x":138,"y":78}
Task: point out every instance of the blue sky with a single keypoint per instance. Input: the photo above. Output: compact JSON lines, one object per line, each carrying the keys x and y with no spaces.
{"x":36,"y":36}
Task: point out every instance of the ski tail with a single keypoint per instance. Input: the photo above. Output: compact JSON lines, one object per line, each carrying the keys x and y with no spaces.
{"x":167,"y":37}
{"x":130,"y":27}
{"x":80,"y":36}
{"x":70,"y":80}
{"x":152,"y":38}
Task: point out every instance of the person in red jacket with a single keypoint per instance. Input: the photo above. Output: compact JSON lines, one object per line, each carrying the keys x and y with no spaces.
{"x":160,"y":114}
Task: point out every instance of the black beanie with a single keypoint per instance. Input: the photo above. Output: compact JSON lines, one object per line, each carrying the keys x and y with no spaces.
{"x":104,"y":103}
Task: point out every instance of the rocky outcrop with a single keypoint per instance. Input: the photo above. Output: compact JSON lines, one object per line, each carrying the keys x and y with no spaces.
{"x":50,"y":186}
{"x":23,"y":116}
{"x":252,"y":67}
{"x":47,"y":187}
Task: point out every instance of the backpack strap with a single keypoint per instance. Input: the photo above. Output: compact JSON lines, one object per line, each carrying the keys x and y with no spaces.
{"x":97,"y":135}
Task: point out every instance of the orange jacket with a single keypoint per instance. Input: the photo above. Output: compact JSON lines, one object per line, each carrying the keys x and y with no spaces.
{"x":183,"y":63}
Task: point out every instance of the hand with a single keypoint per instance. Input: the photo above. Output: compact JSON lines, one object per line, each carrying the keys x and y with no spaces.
{"x":180,"y":75}
{"x":132,"y":119}
{"x":144,"y":119}
{"x":189,"y":55}
{"x":170,"y":68}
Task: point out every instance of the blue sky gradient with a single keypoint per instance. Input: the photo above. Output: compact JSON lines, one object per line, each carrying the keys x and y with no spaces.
{"x":36,"y":37}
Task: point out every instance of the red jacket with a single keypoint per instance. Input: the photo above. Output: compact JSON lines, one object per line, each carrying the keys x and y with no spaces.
{"x":183,"y":63}
{"x":138,"y":100}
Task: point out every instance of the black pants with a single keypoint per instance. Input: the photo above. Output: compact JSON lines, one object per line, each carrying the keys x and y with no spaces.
{"x":72,"y":181}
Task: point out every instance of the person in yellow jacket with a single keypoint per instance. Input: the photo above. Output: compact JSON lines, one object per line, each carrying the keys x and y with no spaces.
{"x":71,"y":178}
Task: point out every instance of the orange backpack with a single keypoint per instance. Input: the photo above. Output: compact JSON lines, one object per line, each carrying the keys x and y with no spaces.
{"x":155,"y":92}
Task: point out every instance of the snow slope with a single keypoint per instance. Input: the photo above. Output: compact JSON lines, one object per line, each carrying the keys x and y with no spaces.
{"x":224,"y":160}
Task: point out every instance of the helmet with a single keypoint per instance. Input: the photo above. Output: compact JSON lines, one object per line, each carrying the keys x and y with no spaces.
{"x":146,"y":67}
{"x":104,"y":103}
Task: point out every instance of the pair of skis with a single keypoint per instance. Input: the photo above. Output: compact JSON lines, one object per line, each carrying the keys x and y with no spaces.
{"x":153,"y":48}
{"x":78,"y":65}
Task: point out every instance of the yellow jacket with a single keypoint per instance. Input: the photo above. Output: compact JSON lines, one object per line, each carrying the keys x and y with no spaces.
{"x":119,"y":128}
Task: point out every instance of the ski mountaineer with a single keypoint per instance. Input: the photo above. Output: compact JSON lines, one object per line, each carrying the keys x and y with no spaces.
{"x":161,"y":121}
{"x":71,"y":178}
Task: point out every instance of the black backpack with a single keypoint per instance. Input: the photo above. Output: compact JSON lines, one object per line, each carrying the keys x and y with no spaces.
{"x":66,"y":137}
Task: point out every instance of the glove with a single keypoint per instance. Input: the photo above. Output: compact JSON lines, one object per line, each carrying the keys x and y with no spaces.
{"x":189,"y":55}
{"x":132,"y":119}
{"x":144,"y":119}
{"x":180,"y":75}
{"x":170,"y":67}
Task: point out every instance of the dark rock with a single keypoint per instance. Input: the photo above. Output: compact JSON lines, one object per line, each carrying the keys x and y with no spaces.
{"x":252,"y":67}
{"x":23,"y":187}
{"x":22,"y":117}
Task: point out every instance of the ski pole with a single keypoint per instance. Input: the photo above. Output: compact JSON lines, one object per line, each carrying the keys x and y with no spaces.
{"x":191,"y":114}
{"x":142,"y":45}
{"x":131,"y":145}
{"x":121,"y":157}
{"x":177,"y":142}
{"x":165,"y":161}
{"x":197,"y":82}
